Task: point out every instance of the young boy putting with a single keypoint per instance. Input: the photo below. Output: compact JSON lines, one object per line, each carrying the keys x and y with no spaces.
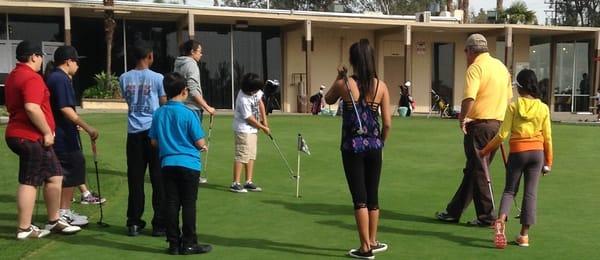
{"x":249,"y":116}
{"x":177,"y":133}
{"x":527,"y":120}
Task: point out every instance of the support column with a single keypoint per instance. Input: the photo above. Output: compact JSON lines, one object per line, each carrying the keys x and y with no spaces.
{"x":308,"y":35}
{"x":596,"y":81}
{"x":191,"y":26}
{"x":508,"y":51}
{"x":407,"y":54}
{"x":67,"y":14}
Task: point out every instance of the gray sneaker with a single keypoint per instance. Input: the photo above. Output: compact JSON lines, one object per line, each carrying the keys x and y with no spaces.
{"x":250,"y":186}
{"x":73,"y":218}
{"x":236,"y":187}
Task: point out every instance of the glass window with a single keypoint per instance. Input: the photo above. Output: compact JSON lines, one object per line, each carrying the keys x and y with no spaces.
{"x":539,"y":62}
{"x":161,"y":35}
{"x":443,"y":72}
{"x":3,"y":35}
{"x":36,"y":28}
{"x":215,"y":65}
{"x":572,"y":80}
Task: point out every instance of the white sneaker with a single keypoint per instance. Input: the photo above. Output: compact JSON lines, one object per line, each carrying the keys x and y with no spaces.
{"x":32,"y":232}
{"x":202,"y":180}
{"x":62,"y":226}
{"x":73,"y":218}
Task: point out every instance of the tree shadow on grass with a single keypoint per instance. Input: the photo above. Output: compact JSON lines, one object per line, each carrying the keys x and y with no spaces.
{"x":96,"y":240}
{"x":462,"y":240}
{"x":8,"y":198}
{"x":346,"y":210}
{"x":264,"y":244}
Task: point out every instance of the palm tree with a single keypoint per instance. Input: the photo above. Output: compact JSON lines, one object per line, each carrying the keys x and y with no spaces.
{"x":465,"y":8}
{"x":519,"y":13}
{"x":499,"y":5}
{"x":109,"y":31}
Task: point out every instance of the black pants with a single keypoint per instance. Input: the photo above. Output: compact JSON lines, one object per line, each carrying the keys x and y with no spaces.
{"x":362,"y":173}
{"x":181,"y":187}
{"x":140,"y":155}
{"x":474,"y":184}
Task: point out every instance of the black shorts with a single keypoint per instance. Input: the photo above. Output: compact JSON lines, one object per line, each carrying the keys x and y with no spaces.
{"x":36,"y":162}
{"x":73,"y":168}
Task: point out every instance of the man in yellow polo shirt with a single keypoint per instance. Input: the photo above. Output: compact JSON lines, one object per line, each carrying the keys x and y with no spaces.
{"x":487,"y":93}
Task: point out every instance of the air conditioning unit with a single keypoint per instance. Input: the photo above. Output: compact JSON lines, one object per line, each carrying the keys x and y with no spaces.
{"x":423,"y":17}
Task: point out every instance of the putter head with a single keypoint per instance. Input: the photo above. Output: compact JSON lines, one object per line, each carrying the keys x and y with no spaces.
{"x":103,"y":224}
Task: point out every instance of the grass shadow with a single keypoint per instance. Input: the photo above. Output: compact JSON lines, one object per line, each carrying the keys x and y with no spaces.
{"x":462,"y":240}
{"x":94,"y":240}
{"x":264,"y":244}
{"x":8,"y":198}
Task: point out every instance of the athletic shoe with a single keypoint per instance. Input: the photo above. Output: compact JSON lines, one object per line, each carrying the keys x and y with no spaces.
{"x":32,"y":232}
{"x":355,"y":253}
{"x":479,"y":223}
{"x":73,"y":218}
{"x":499,"y":237}
{"x":236,"y":187}
{"x":250,"y":186}
{"x":195,"y":249}
{"x":444,"y":216}
{"x":522,"y":241}
{"x":63,"y":227}
{"x":173,"y":248}
{"x":202,"y":180}
{"x":91,"y":199}
{"x":379,"y":247}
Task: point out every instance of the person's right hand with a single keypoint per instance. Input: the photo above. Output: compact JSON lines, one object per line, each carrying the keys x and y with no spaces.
{"x":93,"y":133}
{"x":266,"y":130}
{"x":48,"y":140}
{"x":211,"y":110}
{"x":342,"y":71}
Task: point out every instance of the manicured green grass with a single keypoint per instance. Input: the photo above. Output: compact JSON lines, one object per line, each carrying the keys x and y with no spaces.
{"x":423,"y":162}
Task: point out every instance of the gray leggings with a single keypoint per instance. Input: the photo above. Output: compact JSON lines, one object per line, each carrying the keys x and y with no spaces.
{"x":529,"y":164}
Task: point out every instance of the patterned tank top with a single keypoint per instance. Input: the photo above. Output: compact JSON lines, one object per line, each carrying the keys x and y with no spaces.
{"x":370,"y":138}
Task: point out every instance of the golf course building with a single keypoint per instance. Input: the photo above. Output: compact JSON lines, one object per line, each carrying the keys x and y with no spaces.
{"x":303,"y":49}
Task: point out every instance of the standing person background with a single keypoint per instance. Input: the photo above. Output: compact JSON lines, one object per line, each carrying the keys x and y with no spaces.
{"x":67,"y":143}
{"x":143,"y":91}
{"x":487,"y":92}
{"x":527,"y":121}
{"x":406,"y":100}
{"x":362,"y":152}
{"x":187,"y":65}
{"x":30,"y":135}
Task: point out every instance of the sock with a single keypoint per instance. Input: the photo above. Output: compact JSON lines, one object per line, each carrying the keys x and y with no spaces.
{"x":25,"y":229}
{"x":52,"y":222}
{"x":86,"y":193}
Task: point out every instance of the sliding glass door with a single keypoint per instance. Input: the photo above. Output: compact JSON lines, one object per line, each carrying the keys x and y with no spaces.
{"x":571,"y":82}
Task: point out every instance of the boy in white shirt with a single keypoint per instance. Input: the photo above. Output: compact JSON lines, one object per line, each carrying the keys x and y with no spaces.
{"x":249,"y":116}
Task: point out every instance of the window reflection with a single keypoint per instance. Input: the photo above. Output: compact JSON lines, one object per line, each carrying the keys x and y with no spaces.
{"x":443,"y":71}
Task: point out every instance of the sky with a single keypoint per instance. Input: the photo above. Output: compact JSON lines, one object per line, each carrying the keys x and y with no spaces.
{"x":536,"y":5}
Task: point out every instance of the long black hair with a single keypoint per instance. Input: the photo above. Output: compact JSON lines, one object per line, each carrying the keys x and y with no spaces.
{"x":362,"y":59}
{"x":528,"y":83}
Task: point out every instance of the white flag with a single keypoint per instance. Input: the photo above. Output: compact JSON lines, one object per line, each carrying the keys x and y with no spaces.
{"x":302,"y":146}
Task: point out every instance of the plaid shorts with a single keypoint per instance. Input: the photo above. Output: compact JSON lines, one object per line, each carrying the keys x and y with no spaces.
{"x":36,"y":162}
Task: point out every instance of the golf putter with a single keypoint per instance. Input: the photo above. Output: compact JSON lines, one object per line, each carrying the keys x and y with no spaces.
{"x":291,"y":172}
{"x":505,"y":166}
{"x":95,"y":155}
{"x":360,"y":130}
{"x":205,"y":162}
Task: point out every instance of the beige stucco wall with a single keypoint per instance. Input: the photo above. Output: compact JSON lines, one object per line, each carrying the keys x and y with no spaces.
{"x":330,"y":50}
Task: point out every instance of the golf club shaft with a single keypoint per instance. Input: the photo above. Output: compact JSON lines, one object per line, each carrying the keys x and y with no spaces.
{"x":291,"y":172}
{"x":95,"y":155}
{"x":205,"y":163}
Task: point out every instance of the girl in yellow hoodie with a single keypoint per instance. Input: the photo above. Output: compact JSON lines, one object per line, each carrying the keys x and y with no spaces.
{"x":527,"y":120}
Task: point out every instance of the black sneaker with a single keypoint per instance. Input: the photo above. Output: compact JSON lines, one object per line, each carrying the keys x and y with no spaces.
{"x":173,"y":248}
{"x":356,"y":253}
{"x":250,"y":186}
{"x":236,"y":187}
{"x":444,"y":216}
{"x":195,"y":249}
{"x":134,"y":230}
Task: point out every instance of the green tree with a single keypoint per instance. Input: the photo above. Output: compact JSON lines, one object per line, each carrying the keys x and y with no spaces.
{"x":577,"y":12}
{"x":481,"y":17}
{"x":519,"y":13}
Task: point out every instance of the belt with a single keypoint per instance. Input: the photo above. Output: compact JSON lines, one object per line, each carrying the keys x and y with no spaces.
{"x":479,"y":121}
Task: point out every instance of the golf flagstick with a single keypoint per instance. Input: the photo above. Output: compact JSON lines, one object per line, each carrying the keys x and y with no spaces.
{"x":205,"y":162}
{"x":95,"y":154}
{"x":506,"y":167}
{"x":298,"y":174}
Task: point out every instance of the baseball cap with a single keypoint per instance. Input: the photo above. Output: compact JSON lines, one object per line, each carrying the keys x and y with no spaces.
{"x":476,"y":40}
{"x":66,"y":52}
{"x":27,"y":48}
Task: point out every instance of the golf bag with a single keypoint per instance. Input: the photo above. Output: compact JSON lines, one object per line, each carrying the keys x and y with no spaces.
{"x":272,"y":90}
{"x":441,"y":105}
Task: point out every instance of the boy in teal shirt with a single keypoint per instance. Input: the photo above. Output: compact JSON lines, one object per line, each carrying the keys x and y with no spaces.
{"x":177,"y":133}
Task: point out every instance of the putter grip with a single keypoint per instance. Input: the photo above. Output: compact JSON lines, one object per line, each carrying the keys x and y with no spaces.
{"x":94,"y":152}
